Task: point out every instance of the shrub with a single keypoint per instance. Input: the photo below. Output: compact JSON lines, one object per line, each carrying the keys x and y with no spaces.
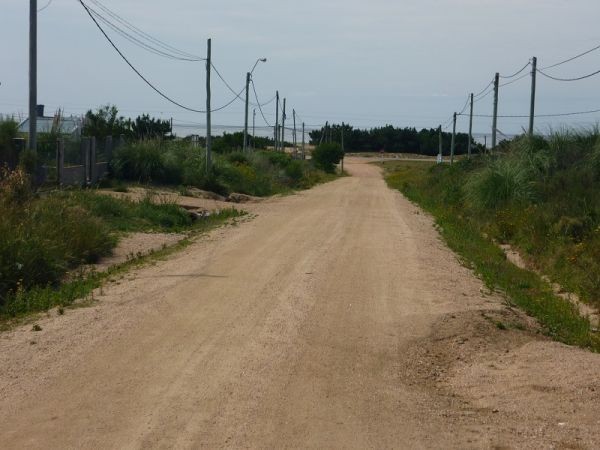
{"x":326,"y":156}
{"x":501,"y":182}
{"x":141,"y":161}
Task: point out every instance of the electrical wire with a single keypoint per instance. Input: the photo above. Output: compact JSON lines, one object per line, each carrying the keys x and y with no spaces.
{"x":136,"y":41}
{"x":483,"y":90}
{"x":258,"y":102}
{"x":523,"y":116}
{"x":568,"y":79}
{"x":514,"y":81}
{"x":145,"y":35}
{"x":516,"y":73}
{"x":45,"y":6}
{"x":572,"y":58}
{"x":139,"y":74}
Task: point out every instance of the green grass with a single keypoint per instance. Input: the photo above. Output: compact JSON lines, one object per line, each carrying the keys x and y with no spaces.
{"x":23,"y":303}
{"x":45,"y":236}
{"x":177,"y":163}
{"x":440,"y":191}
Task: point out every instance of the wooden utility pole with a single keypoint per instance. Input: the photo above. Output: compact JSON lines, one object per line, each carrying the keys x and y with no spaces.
{"x":532,"y":108}
{"x":245,"y":146}
{"x":303,"y":140}
{"x":294,"y":136}
{"x":276,"y":122}
{"x":343,"y":150}
{"x":470,"y":128}
{"x":495,"y":117}
{"x":33,"y":75}
{"x":283,"y":127}
{"x":441,"y":145}
{"x":453,"y":143}
{"x":208,"y":131}
{"x":254,"y":129}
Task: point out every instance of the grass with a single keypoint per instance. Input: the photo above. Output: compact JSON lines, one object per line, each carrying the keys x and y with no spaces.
{"x":177,"y":163}
{"x":44,"y":237}
{"x":441,"y":190}
{"x":80,"y":289}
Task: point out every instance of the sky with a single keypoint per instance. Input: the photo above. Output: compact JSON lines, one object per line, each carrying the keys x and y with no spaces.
{"x":367,"y":63}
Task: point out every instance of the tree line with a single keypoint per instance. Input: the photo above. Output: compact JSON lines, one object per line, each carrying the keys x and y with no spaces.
{"x":391,"y":139}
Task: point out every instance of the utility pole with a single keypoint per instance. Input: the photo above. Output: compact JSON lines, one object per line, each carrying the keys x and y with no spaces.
{"x":303,"y":140}
{"x":294,"y":114}
{"x":441,"y":145}
{"x":208,"y":131}
{"x":343,"y":150}
{"x":453,"y":143}
{"x":245,"y":146}
{"x":276,"y":121}
{"x":254,"y":129}
{"x":533,"y":80}
{"x":495,"y":117}
{"x":470,"y":128}
{"x":33,"y":75}
{"x":283,"y":128}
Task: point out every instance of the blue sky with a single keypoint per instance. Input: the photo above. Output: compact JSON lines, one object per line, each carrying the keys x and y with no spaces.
{"x":409,"y":63}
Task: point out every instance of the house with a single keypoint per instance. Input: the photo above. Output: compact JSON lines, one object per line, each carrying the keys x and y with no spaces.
{"x":58,"y":123}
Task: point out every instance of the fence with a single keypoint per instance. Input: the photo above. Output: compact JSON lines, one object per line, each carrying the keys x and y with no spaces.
{"x":81,"y":162}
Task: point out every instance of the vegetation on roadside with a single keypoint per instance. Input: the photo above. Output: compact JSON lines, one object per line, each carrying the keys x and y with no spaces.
{"x":391,"y":139}
{"x":259,"y":173}
{"x":541,"y":195}
{"x":43,"y":238}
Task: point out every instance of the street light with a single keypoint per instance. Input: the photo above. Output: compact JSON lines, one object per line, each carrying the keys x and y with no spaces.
{"x":248,"y":78}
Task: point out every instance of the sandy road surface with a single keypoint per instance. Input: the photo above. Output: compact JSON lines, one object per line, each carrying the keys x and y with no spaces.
{"x":334,"y":319}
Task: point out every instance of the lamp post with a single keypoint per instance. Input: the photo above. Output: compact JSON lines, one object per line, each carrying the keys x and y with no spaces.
{"x":248,"y":78}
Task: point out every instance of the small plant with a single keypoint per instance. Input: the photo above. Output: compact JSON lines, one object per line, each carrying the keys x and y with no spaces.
{"x":36,"y":327}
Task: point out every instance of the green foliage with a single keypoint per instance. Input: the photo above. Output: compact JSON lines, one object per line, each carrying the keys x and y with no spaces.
{"x":8,"y":131}
{"x":391,"y":139}
{"x":259,"y":173}
{"x":146,"y":127}
{"x":502,"y":181}
{"x":327,"y":155}
{"x":469,"y":234}
{"x":105,"y":121}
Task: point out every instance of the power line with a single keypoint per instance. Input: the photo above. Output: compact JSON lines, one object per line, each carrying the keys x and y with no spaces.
{"x":516,"y":73}
{"x":484,"y":89}
{"x":258,"y":102}
{"x":145,"y":35}
{"x":139,"y":74}
{"x":45,"y":6}
{"x":135,"y":40}
{"x":515,"y":80}
{"x":569,"y":79}
{"x":572,"y":58}
{"x":522,"y":116}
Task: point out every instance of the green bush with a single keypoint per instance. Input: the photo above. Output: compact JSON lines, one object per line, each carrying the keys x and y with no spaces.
{"x":326,"y":156}
{"x":501,"y":182}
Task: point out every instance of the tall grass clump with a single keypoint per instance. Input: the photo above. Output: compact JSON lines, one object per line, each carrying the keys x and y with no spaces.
{"x":40,"y":239}
{"x":541,"y":194}
{"x":259,"y":173}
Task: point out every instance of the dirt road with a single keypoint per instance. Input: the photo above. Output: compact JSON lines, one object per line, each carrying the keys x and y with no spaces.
{"x":336,"y":318}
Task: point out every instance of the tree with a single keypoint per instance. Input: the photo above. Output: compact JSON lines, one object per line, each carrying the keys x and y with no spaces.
{"x":146,"y":127}
{"x":105,"y":122}
{"x":327,"y":155}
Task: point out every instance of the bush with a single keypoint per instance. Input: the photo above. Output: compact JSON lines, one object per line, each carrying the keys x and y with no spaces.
{"x":141,"y":161}
{"x":501,"y":182}
{"x":326,"y":156}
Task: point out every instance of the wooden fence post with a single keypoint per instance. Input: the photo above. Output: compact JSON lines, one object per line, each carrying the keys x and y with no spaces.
{"x":60,"y":160}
